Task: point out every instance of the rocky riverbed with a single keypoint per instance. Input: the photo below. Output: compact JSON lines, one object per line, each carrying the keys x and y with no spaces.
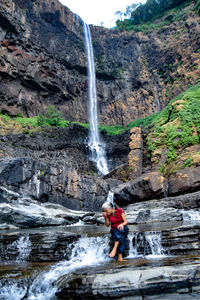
{"x":162,"y":258}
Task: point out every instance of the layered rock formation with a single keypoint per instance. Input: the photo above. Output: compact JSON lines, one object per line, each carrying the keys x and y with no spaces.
{"x":43,"y":62}
{"x":53,"y":166}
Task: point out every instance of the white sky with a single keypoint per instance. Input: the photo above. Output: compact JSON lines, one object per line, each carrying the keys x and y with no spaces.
{"x":98,"y":11}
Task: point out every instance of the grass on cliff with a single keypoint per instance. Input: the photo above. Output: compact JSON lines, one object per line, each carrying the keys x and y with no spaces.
{"x":176,"y":128}
{"x":158,"y":21}
{"x":187,"y":116}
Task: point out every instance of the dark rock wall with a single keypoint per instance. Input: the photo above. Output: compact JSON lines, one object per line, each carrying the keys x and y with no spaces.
{"x":53,"y":166}
{"x":43,"y":62}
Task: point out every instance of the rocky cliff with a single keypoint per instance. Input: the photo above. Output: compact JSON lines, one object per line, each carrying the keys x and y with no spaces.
{"x":43,"y":62}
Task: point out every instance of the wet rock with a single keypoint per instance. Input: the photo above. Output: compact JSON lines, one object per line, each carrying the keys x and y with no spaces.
{"x":167,"y":209}
{"x":129,"y":282}
{"x":184,"y":239}
{"x":37,"y":246}
{"x":26,"y":212}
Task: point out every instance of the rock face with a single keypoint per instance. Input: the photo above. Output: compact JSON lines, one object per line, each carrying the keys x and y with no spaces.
{"x":135,"y":154}
{"x":52,"y":246}
{"x":43,"y":62}
{"x":25,"y":212}
{"x":53,"y":166}
{"x":185,"y":180}
{"x":131,"y":283}
{"x":145,"y":187}
{"x":154,"y":185}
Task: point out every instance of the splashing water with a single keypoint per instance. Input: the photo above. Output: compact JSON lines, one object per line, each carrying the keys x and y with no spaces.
{"x":86,"y":252}
{"x":191,"y":215}
{"x":154,"y":241}
{"x":97,"y":148}
{"x":12,"y":291}
{"x":21,"y":249}
{"x":145,"y":244}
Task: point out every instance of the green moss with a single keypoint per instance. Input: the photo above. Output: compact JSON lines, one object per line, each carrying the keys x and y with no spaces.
{"x":188,"y":162}
{"x":112,"y":130}
{"x":5,"y":117}
{"x":33,"y":121}
{"x":85,"y":125}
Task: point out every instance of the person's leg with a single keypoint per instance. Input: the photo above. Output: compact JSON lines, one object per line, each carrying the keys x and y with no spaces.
{"x":116,"y":238}
{"x":114,"y":250}
{"x":121,"y":248}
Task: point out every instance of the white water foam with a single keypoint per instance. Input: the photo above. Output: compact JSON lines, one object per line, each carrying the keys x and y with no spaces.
{"x":110,"y":197}
{"x":191,"y":215}
{"x":146,"y":244}
{"x":87,"y":251}
{"x":96,"y":146}
{"x":12,"y":291}
{"x":21,"y":247}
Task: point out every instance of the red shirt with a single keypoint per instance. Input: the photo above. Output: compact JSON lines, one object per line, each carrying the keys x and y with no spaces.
{"x":116,"y":219}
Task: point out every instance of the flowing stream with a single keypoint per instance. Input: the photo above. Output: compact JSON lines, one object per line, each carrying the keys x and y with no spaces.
{"x":87,"y":251}
{"x":97,"y":148}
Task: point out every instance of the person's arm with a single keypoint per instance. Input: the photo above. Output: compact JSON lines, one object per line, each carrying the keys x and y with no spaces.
{"x":107,"y":221}
{"x":121,"y":226}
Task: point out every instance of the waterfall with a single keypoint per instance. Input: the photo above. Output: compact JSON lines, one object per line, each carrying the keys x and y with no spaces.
{"x":97,"y":148}
{"x":87,"y":251}
{"x":145,"y":244}
{"x":19,"y":249}
{"x":156,"y":105}
{"x":110,"y":197}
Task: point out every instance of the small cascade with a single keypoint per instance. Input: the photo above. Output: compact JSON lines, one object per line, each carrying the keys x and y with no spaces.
{"x":110,"y":197}
{"x":34,"y":185}
{"x":145,"y":244}
{"x":156,"y":104}
{"x":97,"y":148}
{"x":20,"y":249}
{"x":191,"y":215}
{"x":87,"y":251}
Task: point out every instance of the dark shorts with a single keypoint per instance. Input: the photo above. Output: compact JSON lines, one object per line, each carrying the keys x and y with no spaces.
{"x":120,"y":235}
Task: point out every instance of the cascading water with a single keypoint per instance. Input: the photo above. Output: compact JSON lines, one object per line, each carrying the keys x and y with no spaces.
{"x":97,"y":148}
{"x":19,"y":250}
{"x":191,"y":215}
{"x":87,"y":251}
{"x":145,"y":244}
{"x":110,"y":197}
{"x":156,"y":106}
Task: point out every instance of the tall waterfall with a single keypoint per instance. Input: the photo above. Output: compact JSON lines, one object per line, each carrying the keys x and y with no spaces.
{"x":97,"y":148}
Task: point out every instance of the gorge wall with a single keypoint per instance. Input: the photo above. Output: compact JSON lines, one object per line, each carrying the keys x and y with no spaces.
{"x":42,"y":62}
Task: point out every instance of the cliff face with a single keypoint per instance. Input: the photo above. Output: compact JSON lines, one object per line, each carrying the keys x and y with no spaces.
{"x":43,"y":63}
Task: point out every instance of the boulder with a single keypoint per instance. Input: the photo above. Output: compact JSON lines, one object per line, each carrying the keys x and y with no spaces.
{"x":184,"y":181}
{"x":148,"y":186}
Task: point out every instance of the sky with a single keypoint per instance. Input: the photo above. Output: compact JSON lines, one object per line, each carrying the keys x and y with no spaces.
{"x":97,"y":12}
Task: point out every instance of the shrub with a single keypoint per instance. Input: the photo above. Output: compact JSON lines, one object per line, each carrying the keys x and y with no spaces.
{"x":52,"y":118}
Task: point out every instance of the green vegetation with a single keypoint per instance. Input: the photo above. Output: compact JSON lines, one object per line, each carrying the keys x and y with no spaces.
{"x":141,"y":17}
{"x":52,"y":118}
{"x":175,"y":128}
{"x":188,"y":118}
{"x":5,"y":117}
{"x":112,"y":130}
{"x":188,"y":162}
{"x":33,"y":121}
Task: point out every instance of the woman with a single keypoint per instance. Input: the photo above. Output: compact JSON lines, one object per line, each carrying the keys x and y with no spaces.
{"x":117,"y":219}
